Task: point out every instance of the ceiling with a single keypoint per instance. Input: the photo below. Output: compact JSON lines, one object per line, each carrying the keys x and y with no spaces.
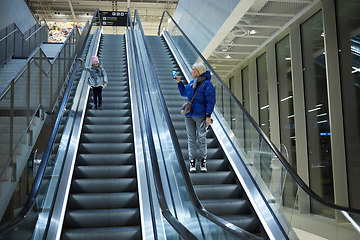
{"x":253,"y":23}
{"x":261,"y":22}
{"x":150,"y":11}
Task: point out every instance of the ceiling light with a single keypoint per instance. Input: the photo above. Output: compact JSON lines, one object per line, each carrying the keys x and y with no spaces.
{"x":228,"y":56}
{"x":253,"y":31}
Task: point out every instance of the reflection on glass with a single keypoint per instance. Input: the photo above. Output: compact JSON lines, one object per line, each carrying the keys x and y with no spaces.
{"x":286,"y":111}
{"x":246,"y":103}
{"x":232,"y":105}
{"x":316,"y":105}
{"x":263,"y":94}
{"x":265,"y":159}
{"x":349,"y":42}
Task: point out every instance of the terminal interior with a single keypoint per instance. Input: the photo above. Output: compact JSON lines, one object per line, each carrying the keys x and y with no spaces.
{"x":282,"y":151}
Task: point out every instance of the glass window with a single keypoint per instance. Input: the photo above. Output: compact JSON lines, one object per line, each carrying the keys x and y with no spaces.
{"x":316,"y":105}
{"x":286,"y":112}
{"x":262,"y":78}
{"x":348,"y":28}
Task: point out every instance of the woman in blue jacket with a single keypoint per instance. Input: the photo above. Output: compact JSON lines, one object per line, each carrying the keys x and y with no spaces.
{"x":199,"y":118}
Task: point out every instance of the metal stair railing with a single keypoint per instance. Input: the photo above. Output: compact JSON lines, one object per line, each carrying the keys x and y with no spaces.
{"x":14,"y":43}
{"x":30,"y":91}
{"x":31,"y":202}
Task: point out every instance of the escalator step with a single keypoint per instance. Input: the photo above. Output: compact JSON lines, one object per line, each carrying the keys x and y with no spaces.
{"x":105,"y":159}
{"x":106,"y":138}
{"x":96,"y":148}
{"x":107,"y":128}
{"x":103,"y":200}
{"x":111,"y":233}
{"x":225,"y":207}
{"x":103,"y":185}
{"x":102,"y":218}
{"x":126,"y":171}
{"x":217,"y":191}
{"x":219,"y":177}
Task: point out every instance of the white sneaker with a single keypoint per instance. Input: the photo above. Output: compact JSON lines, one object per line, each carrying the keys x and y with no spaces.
{"x":192,"y":165}
{"x":203,"y":165}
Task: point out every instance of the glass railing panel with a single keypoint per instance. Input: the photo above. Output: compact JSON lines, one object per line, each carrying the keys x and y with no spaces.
{"x":187,"y":50}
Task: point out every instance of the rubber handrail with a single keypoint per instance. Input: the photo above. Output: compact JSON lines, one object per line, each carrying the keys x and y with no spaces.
{"x":184,"y":232}
{"x":40,"y":173}
{"x":282,"y":159}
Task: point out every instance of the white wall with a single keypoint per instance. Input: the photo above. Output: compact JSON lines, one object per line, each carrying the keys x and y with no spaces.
{"x":16,"y":11}
{"x":201,"y":19}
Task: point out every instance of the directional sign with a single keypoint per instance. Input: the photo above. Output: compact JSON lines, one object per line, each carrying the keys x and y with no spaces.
{"x":111,"y":18}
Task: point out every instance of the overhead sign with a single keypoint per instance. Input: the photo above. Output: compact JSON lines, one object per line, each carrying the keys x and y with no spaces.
{"x":111,"y":18}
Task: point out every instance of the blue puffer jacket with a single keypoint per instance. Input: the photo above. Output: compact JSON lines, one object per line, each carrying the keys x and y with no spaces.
{"x":204,"y":100}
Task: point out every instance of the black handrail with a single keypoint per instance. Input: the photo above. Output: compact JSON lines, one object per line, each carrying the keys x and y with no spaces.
{"x":40,"y":173}
{"x":193,"y":197}
{"x":184,"y":232}
{"x":282,"y":159}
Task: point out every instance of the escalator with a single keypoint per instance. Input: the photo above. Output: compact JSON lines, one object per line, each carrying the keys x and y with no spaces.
{"x":103,"y":199}
{"x":218,"y":189}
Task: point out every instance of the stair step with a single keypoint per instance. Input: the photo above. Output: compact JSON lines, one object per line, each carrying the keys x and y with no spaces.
{"x":108,"y":233}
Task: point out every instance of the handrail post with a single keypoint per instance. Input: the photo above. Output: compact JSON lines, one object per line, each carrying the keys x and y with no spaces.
{"x":28,"y":94}
{"x":6,"y":32}
{"x":40,"y":78}
{"x":51,"y":85}
{"x":11,"y":140}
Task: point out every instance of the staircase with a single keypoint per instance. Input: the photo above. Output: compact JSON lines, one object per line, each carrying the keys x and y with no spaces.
{"x":218,"y":189}
{"x":103,"y":200}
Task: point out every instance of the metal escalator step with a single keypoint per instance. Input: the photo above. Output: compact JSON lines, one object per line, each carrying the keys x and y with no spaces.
{"x":212,"y":178}
{"x":103,"y":200}
{"x":223,"y":207}
{"x":103,"y":185}
{"x":117,"y":87}
{"x":247,"y":222}
{"x":105,"y":159}
{"x":108,"y":113}
{"x":94,"y":148}
{"x":109,"y":104}
{"x":102,"y":218}
{"x":106,"y":138}
{"x":103,"y":120}
{"x":107,"y":128}
{"x":109,"y":233}
{"x":126,"y":171}
{"x":217,"y":191}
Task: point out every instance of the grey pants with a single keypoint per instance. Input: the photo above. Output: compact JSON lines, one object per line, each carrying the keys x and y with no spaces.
{"x":196,"y":132}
